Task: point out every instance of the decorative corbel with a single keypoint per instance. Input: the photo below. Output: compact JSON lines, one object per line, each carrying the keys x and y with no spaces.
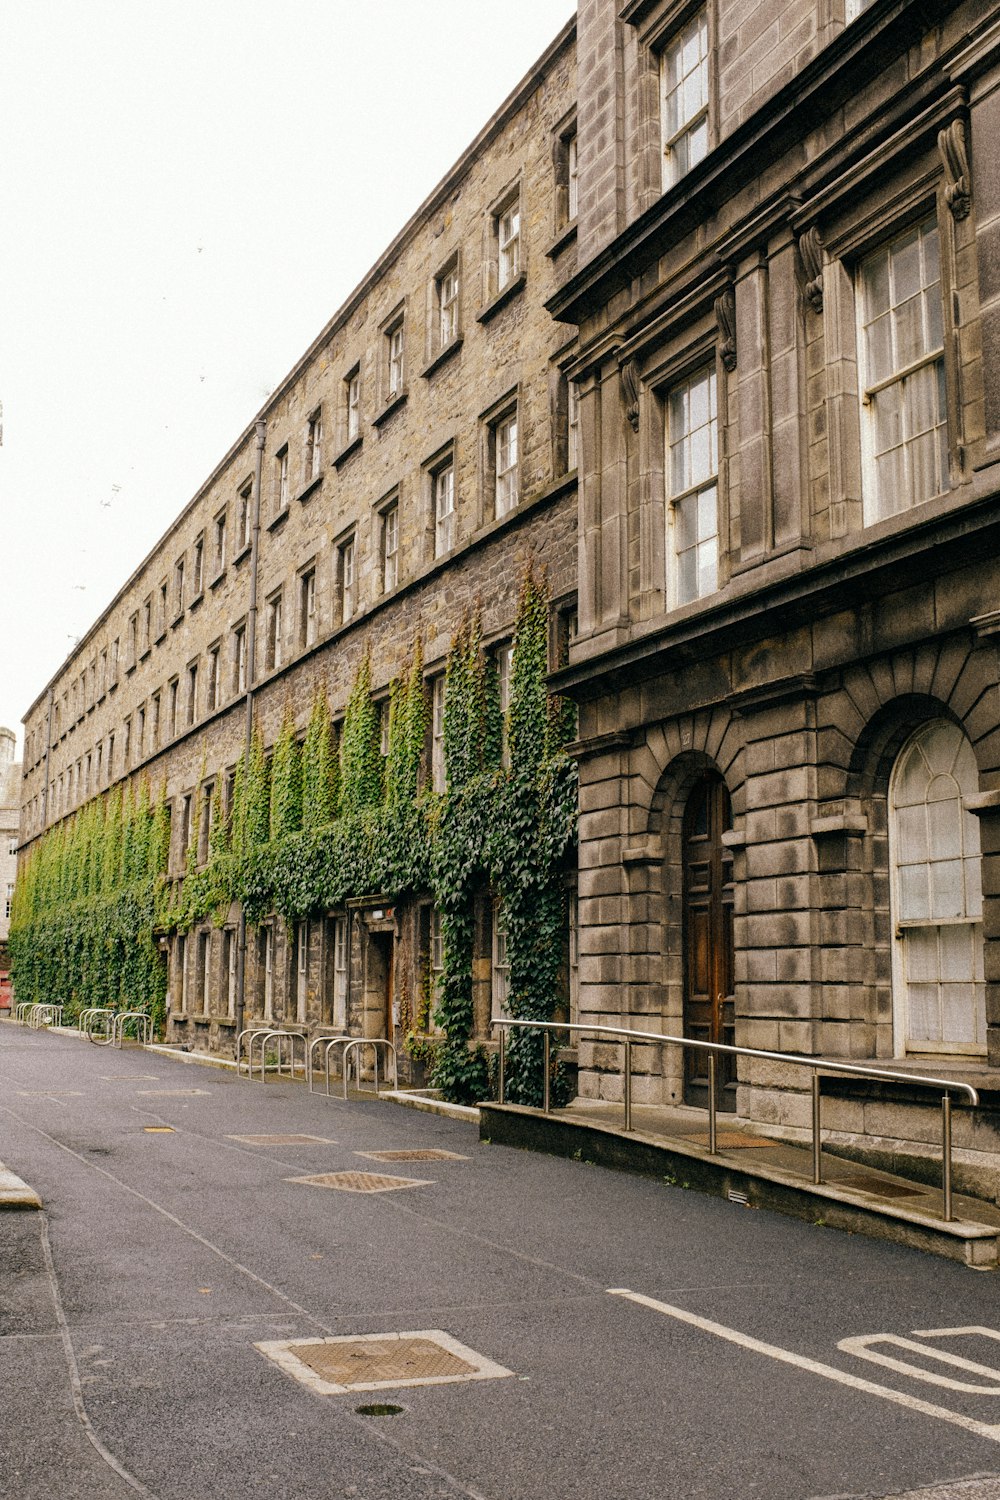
{"x":630,"y":391}
{"x":811,"y":251}
{"x":725,"y":318}
{"x":958,"y":191}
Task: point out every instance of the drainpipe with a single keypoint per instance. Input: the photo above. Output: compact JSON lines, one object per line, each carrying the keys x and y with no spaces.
{"x":241,"y":951}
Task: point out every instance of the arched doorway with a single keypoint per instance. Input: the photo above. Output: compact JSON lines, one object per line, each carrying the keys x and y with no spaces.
{"x":709,"y":1002}
{"x":939,"y":990}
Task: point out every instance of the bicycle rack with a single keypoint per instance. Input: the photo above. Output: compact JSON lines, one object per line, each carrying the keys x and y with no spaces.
{"x":248,"y":1032}
{"x":22,"y":1009}
{"x":94,"y":1016}
{"x":141,"y":1022}
{"x":368,"y":1041}
{"x":327,"y":1042}
{"x":280,"y":1038}
{"x":44,"y":1014}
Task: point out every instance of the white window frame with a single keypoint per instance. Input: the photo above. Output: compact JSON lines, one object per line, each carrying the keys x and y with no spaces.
{"x":395,"y":354}
{"x":281,"y":480}
{"x":448,"y":288}
{"x":314,"y":445}
{"x":508,"y":233}
{"x":500,"y":966}
{"x":443,"y":488}
{"x":898,"y":384}
{"x":268,"y":972}
{"x":944,"y":922}
{"x":390,"y":546}
{"x":701,"y":491}
{"x":274,"y":652}
{"x":341,"y":961}
{"x":438,"y":765}
{"x":352,"y":404}
{"x":505,"y":680}
{"x":301,"y":970}
{"x":682,"y":146}
{"x":347,"y":577}
{"x":506,"y":458}
{"x":307,"y":600}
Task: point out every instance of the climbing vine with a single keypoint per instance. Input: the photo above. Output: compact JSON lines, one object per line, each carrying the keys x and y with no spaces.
{"x":310,"y":828}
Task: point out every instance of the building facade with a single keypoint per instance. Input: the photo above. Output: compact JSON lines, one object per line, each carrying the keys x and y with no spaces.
{"x":403,"y":479}
{"x":10,"y":814}
{"x":733,"y":265}
{"x":786,"y":664}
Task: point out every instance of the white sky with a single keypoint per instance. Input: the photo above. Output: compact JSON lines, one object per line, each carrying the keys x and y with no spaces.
{"x":189,"y":190}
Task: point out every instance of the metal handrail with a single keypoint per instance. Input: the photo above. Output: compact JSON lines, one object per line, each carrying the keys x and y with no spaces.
{"x":947,"y":1085}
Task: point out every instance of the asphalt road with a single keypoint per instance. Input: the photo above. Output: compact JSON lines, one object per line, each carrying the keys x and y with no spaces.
{"x":131,"y":1311}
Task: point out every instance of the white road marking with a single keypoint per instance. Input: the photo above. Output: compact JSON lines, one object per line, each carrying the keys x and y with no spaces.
{"x":862,"y":1348}
{"x":988,"y":1430}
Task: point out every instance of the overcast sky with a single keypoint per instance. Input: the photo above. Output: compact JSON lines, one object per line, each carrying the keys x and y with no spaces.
{"x":189,"y":190}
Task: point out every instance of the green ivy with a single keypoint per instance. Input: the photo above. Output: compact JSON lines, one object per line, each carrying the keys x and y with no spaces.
{"x":310,"y":830}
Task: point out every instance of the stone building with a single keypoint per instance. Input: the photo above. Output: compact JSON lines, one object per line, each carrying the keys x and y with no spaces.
{"x":786,"y":666}
{"x":10,"y":813}
{"x":403,"y":474}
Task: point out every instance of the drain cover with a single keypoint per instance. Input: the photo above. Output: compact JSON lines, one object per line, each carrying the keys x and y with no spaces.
{"x":282,"y":1140}
{"x":379,"y":1361}
{"x":359,"y":1182}
{"x":732,"y":1139}
{"x":430,"y":1154}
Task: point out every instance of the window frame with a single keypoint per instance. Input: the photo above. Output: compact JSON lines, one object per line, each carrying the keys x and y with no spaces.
{"x":872,"y":511}
{"x":685,"y":377}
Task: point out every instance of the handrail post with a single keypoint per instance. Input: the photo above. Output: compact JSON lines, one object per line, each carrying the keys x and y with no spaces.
{"x":627,"y":1083}
{"x":546,"y":1054}
{"x":946,"y":1154}
{"x":500,"y":1070}
{"x":816,"y":1143}
{"x":712,"y":1068}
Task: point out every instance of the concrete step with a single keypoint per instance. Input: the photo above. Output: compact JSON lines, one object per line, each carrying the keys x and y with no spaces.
{"x":756,"y":1171}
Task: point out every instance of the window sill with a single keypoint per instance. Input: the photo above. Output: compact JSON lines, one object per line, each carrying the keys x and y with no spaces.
{"x":392,"y":405}
{"x":307,"y":490}
{"x":241,"y":555}
{"x":442,"y":356}
{"x":214,"y":582}
{"x":563,"y":240}
{"x":278,"y":521}
{"x":176,"y":620}
{"x":346,"y":452}
{"x":199,"y":596}
{"x":158,"y":640}
{"x":510,"y":290}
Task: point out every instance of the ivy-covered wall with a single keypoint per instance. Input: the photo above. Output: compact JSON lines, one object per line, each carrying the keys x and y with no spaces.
{"x":309,"y":828}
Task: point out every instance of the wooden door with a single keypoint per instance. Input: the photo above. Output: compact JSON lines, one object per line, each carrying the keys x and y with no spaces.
{"x":709,"y":1005}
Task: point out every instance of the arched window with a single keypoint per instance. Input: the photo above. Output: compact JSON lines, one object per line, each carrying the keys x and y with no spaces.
{"x":937,"y":902}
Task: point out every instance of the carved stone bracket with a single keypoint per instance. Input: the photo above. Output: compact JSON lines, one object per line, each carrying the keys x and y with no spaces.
{"x":630,"y":391}
{"x":725,"y":318}
{"x":811,"y":251}
{"x":954,"y":154}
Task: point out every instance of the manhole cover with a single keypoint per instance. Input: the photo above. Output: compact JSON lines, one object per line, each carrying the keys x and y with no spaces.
{"x":359,"y":1182}
{"x":378,"y":1361}
{"x":173,"y":1093}
{"x":429,"y":1154}
{"x":733,"y":1140}
{"x":282,"y":1140}
{"x":866,"y":1184}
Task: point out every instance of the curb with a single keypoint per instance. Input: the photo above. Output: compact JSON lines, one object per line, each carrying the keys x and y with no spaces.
{"x":14,"y":1193}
